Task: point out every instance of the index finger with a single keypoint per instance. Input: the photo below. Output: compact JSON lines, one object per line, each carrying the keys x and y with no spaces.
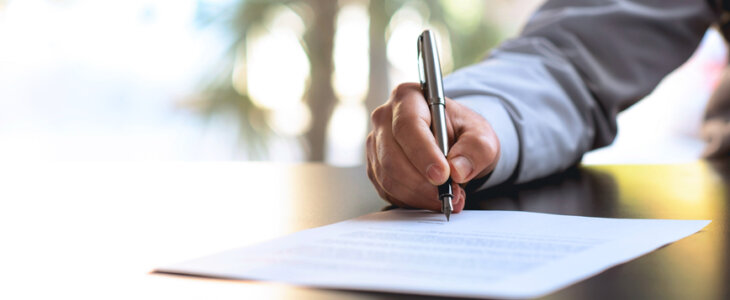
{"x":411,"y":130}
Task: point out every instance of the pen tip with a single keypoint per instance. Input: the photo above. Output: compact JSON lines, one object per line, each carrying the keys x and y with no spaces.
{"x":447,"y":207}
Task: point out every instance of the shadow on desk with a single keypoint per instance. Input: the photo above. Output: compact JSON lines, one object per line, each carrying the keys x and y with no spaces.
{"x":577,"y":191}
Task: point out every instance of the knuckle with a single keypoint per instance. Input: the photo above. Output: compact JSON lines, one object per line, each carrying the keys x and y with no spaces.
{"x":394,"y":201}
{"x":380,"y":114}
{"x":400,"y":127}
{"x":371,"y":175}
{"x":382,"y":194}
{"x":387,"y":164}
{"x":387,"y":183}
{"x":403,"y":89}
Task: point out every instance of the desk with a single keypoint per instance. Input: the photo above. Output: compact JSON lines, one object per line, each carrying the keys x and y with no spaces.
{"x":95,"y":230}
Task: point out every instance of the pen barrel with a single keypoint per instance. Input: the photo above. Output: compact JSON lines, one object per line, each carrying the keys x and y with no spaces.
{"x":438,"y":126}
{"x":429,"y":69}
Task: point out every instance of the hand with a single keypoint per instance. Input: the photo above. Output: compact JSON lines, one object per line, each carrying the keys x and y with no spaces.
{"x":404,"y":162}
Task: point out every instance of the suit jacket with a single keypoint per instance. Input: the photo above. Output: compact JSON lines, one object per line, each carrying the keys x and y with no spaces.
{"x":553,"y":93}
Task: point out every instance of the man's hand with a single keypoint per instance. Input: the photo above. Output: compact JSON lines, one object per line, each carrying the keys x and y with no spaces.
{"x":404,"y":162}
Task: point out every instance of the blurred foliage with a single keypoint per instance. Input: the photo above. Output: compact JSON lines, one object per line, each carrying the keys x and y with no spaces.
{"x":218,"y":95}
{"x":471,"y":33}
{"x":470,"y":36}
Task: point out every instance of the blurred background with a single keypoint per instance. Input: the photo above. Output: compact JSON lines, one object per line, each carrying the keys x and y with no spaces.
{"x":267,"y":80}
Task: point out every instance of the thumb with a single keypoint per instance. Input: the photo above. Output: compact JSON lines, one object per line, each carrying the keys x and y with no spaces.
{"x":475,"y":151}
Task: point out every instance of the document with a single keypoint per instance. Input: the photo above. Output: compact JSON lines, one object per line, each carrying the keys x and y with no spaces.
{"x":500,"y":254}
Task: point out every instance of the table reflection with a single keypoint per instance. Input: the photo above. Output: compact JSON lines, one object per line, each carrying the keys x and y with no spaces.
{"x":695,"y":267}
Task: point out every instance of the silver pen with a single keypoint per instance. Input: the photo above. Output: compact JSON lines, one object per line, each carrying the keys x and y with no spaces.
{"x":429,"y":71}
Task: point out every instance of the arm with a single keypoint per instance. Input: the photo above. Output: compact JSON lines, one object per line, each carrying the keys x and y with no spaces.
{"x":538,"y":102}
{"x":554,"y":92}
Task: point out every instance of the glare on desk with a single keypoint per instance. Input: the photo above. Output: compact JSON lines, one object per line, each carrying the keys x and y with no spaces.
{"x":690,"y":189}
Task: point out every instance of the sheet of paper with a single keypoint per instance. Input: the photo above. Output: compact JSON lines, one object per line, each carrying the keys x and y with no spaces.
{"x":503,"y":254}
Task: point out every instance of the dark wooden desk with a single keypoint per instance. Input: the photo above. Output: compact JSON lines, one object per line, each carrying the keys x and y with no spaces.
{"x":96,"y":230}
{"x":696,"y":267}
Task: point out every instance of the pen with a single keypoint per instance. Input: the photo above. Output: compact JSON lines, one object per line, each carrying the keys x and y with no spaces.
{"x":429,"y":71}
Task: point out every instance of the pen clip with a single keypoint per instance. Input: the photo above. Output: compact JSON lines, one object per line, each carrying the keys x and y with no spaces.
{"x":421,"y":65}
{"x":429,"y":68}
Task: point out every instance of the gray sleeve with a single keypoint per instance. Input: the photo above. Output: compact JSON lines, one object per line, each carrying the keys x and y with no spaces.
{"x":553,"y":93}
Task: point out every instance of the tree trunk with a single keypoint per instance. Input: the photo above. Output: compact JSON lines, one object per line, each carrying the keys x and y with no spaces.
{"x":378,"y":83}
{"x":320,"y":95}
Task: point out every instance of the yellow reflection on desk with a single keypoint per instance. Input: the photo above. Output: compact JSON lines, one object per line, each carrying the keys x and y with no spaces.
{"x":681,"y":191}
{"x":691,"y":190}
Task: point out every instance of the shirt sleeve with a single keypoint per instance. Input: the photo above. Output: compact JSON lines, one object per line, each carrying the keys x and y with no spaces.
{"x":553,"y":93}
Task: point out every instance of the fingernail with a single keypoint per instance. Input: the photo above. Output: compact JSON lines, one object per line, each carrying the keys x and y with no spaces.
{"x":462,"y":166}
{"x":434,"y":174}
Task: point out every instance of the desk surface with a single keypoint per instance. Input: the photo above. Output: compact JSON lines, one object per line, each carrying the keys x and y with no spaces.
{"x":96,"y":230}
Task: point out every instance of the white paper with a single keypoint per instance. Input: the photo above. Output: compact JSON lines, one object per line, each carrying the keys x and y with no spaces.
{"x":504,"y":254}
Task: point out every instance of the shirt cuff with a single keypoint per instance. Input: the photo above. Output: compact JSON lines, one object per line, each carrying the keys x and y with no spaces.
{"x":492,"y":109}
